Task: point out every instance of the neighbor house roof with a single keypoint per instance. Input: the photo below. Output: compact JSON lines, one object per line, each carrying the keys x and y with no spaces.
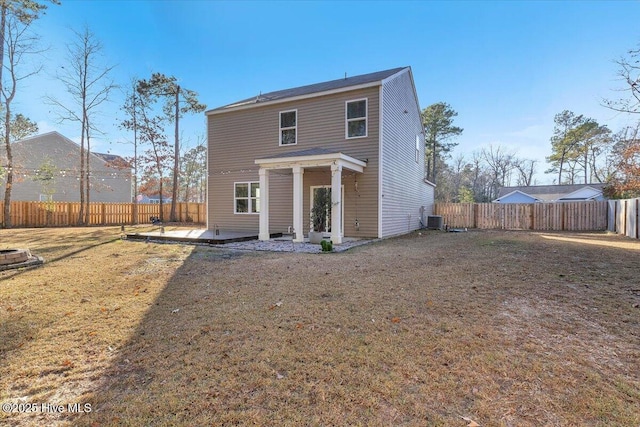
{"x":114,"y":160}
{"x":347,"y":83}
{"x":26,"y":146}
{"x":547,"y":193}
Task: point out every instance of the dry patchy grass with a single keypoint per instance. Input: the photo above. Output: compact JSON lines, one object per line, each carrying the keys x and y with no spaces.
{"x":503,"y":328}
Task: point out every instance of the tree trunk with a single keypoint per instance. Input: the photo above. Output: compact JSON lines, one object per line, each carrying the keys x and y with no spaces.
{"x":176,"y":160}
{"x":9,"y":183}
{"x":135,"y":163}
{"x":433,"y":166}
{"x":159,"y":166}
{"x":7,"y":189}
{"x":560,"y":172}
{"x":82,"y":172}
{"x":87,"y":217}
{"x":3,"y":23}
{"x":586,"y":165}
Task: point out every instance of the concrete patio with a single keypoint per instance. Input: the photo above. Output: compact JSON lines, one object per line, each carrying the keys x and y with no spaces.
{"x":241,"y":240}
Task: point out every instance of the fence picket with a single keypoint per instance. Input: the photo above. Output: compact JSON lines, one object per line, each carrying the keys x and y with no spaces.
{"x":65,"y":214}
{"x":569,"y":216}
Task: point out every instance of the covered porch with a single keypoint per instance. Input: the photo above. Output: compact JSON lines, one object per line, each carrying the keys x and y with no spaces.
{"x":298,"y":161}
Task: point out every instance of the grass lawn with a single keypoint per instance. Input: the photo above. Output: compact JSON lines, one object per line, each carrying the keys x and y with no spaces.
{"x":438,"y":329}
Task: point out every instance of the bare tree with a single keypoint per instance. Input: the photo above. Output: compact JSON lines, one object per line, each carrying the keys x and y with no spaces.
{"x":194,"y":171}
{"x":18,"y":43}
{"x":500,"y":164}
{"x":629,"y":74}
{"x":88,"y":83}
{"x":24,"y":11}
{"x":526,"y":169}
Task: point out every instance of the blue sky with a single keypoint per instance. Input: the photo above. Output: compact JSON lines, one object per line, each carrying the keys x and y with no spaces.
{"x":506,"y":67}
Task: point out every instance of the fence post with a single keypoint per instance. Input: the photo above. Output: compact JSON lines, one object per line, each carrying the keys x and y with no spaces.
{"x":637,"y":236}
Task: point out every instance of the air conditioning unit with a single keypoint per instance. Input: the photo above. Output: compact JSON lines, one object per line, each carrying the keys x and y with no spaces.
{"x":434,"y":222}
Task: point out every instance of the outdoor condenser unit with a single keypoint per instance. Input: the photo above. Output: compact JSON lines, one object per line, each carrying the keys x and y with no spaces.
{"x":434,"y":222}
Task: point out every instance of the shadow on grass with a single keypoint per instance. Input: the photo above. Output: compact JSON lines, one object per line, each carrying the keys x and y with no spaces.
{"x":9,"y":274}
{"x":282,"y":339}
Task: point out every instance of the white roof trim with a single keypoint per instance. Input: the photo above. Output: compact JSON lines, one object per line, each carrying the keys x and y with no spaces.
{"x":499,"y":199}
{"x":312,"y":161}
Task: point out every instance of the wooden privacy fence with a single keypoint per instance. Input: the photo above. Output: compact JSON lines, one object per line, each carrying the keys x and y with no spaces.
{"x":567,"y":216}
{"x":624,"y":216}
{"x":64,"y":214}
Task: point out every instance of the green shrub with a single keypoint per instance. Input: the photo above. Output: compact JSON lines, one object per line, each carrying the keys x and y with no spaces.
{"x":327,"y":246}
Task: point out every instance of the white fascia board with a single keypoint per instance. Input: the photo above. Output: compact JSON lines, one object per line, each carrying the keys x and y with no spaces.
{"x":293,"y":98}
{"x":312,"y":161}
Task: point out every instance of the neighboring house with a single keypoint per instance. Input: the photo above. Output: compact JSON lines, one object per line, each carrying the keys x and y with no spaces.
{"x":360,"y":136}
{"x":550,"y":193}
{"x":153,"y":199}
{"x":110,"y":174}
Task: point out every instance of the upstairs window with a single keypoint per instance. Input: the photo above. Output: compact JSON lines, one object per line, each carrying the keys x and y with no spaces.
{"x":247,"y":197}
{"x":356,"y":126}
{"x":417,"y":148}
{"x":288,"y":127}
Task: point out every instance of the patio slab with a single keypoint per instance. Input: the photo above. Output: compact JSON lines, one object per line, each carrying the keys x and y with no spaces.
{"x":242,"y":240}
{"x":198,"y":236}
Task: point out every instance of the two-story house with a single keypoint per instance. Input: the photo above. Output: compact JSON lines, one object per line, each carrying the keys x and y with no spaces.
{"x":361,"y":137}
{"x":110,"y":174}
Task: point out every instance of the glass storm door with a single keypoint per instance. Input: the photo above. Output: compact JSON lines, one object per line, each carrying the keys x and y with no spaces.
{"x":325,"y":190}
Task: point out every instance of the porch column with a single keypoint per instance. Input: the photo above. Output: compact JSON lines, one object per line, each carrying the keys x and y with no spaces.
{"x":264,"y":204}
{"x":336,"y":203}
{"x":298,"y":174}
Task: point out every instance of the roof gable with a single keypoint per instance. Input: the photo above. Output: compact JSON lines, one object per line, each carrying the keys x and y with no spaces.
{"x":517,"y":196}
{"x":317,"y":89}
{"x":585,"y":193}
{"x":31,"y":150}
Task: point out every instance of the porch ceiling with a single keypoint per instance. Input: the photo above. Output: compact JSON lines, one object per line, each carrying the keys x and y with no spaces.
{"x":311,"y":158}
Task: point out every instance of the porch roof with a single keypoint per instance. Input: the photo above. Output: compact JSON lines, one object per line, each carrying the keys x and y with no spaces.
{"x":312,"y":157}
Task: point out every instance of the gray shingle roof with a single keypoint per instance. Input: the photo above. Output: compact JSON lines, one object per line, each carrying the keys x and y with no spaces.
{"x":317,"y":151}
{"x":314,"y":88}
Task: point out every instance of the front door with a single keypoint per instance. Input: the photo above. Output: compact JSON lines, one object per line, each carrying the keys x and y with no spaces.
{"x":326,"y":205}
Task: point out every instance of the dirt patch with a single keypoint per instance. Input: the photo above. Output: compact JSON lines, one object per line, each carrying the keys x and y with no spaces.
{"x":502,"y":328}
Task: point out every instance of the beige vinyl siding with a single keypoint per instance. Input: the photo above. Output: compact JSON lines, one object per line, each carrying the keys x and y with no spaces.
{"x":237,"y":138}
{"x":404,"y":191}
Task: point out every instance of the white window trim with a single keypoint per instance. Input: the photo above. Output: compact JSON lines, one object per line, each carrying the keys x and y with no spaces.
{"x":249,"y":198}
{"x":347,"y":119}
{"x":287,"y":128}
{"x":417,"y":148}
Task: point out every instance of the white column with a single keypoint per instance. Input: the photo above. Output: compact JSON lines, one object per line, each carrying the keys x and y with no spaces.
{"x":336,"y":203}
{"x":264,"y":204}
{"x":298,"y":174}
